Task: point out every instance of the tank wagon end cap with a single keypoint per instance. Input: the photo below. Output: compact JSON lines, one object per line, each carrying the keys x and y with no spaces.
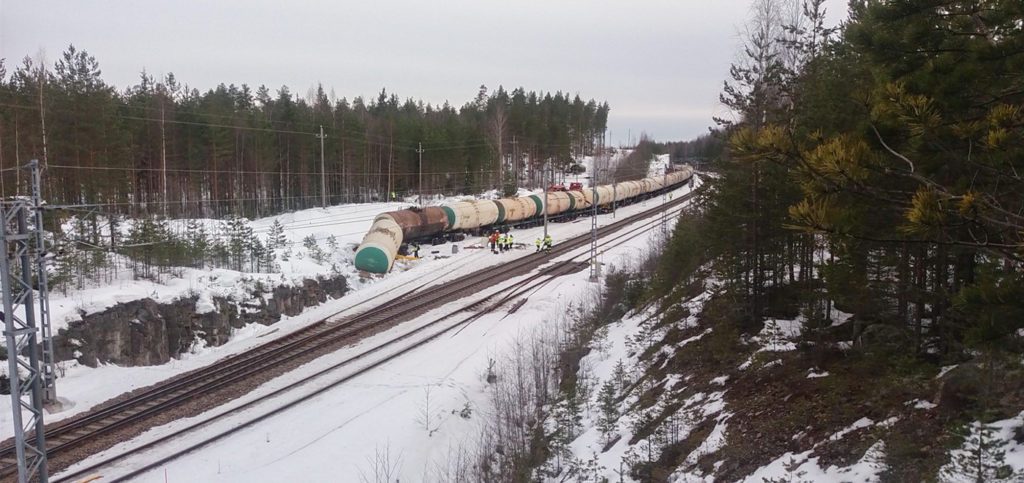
{"x":372,"y":259}
{"x":450,"y":214}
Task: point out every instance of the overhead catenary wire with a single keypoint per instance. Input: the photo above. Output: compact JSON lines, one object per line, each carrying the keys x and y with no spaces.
{"x":188,"y":202}
{"x":261,"y":173}
{"x":364,"y":137}
{"x":222,"y":224}
{"x":115,"y":248}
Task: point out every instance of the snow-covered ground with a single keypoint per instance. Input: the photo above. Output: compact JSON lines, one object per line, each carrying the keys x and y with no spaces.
{"x":411,"y":417}
{"x":338,"y":431}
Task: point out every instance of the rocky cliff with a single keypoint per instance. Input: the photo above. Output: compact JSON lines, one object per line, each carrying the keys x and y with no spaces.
{"x":144,"y":332}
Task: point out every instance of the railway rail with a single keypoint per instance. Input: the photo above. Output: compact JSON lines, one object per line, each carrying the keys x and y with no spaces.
{"x":321,"y":337}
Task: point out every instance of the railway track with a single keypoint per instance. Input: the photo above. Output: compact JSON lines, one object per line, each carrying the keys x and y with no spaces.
{"x":317,"y":339}
{"x":485,"y":305}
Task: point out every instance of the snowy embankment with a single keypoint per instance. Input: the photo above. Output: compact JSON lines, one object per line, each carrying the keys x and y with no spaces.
{"x":620,"y":428}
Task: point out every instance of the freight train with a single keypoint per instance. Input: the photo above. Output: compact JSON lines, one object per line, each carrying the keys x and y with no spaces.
{"x":380,"y":245}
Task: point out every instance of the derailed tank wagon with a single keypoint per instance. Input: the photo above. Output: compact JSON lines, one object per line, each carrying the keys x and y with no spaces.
{"x":380,"y":245}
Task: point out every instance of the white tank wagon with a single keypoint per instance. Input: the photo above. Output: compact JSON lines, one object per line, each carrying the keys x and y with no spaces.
{"x":577,"y":200}
{"x":515,"y":209}
{"x":605,"y":195}
{"x":558,"y":202}
{"x":471,"y":214}
{"x":626,"y":190}
{"x":377,"y":251}
{"x":389,"y":230}
{"x":653,"y":184}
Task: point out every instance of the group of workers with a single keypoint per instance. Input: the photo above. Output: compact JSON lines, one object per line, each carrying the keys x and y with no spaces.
{"x":545,"y":244}
{"x":501,"y":242}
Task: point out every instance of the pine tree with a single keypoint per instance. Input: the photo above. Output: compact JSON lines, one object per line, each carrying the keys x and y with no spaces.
{"x":981,"y":459}
{"x":239,"y":241}
{"x":332,"y":245}
{"x":313,"y":249}
{"x":608,"y":405}
{"x":198,"y":243}
{"x":275,"y":236}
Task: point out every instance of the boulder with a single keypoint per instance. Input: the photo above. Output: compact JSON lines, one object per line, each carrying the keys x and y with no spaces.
{"x":960,"y":387}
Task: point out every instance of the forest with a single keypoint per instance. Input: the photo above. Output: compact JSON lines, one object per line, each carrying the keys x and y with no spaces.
{"x":163,"y":148}
{"x":876,"y":166}
{"x":872,"y":169}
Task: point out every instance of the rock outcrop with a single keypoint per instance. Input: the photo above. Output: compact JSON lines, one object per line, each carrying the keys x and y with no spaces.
{"x":144,"y":332}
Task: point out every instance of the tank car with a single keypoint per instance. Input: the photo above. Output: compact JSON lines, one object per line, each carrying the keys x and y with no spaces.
{"x":558,"y":202}
{"x":377,"y":251}
{"x":515,"y":209}
{"x":471,"y":214}
{"x":577,"y":201}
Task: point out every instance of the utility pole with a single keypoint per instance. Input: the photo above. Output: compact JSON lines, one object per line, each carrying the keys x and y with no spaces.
{"x":323,"y":172}
{"x":664,"y":199}
{"x":607,"y":156}
{"x":548,"y":165}
{"x":42,"y":110}
{"x":593,"y":229}
{"x":615,"y":195}
{"x":42,"y":257}
{"x":163,"y":158}
{"x":21,"y":330}
{"x":3,"y":188}
{"x":515,"y":162}
{"x":419,"y":150}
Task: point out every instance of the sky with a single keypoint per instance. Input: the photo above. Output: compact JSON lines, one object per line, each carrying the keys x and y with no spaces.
{"x":659,"y":64}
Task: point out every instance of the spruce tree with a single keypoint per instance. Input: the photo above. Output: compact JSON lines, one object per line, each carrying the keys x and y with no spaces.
{"x":608,"y":406}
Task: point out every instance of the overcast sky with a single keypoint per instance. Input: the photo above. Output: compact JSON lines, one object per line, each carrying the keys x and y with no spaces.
{"x":659,"y":63}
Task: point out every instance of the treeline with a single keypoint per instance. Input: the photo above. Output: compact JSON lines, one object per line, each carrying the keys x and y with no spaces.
{"x":160,"y":147}
{"x":698,"y":152}
{"x":876,"y":169}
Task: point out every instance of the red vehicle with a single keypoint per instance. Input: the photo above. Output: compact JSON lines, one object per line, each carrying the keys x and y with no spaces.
{"x":561,"y":187}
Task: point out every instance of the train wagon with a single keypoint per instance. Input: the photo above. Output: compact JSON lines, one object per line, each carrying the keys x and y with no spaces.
{"x":376,"y":253}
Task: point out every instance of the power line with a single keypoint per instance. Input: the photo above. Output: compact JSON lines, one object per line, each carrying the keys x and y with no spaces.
{"x":364,"y":136}
{"x":210,"y":201}
{"x":365,"y":139}
{"x":225,"y":171}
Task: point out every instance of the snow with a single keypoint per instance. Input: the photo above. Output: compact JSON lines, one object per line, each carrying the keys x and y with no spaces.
{"x":778,"y":335}
{"x":858,"y":424}
{"x":417,"y":413}
{"x":204,"y":304}
{"x":337,"y":434}
{"x":714,"y":442}
{"x":694,"y":338}
{"x":839,"y":317}
{"x":921,"y":404}
{"x":1001,"y":441}
{"x":944,"y":370}
{"x":590,"y":442}
{"x":804,"y":467}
